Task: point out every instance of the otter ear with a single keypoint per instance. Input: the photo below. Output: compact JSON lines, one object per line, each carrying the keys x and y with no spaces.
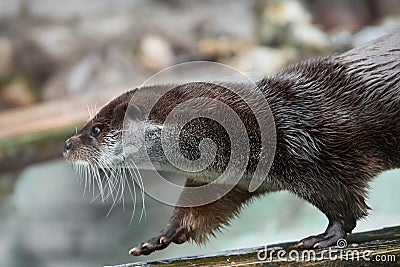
{"x":125,"y":109}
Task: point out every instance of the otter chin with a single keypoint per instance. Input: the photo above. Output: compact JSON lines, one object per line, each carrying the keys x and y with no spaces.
{"x":336,"y":122}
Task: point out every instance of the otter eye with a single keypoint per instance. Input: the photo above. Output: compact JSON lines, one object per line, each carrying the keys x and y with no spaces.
{"x":95,"y":131}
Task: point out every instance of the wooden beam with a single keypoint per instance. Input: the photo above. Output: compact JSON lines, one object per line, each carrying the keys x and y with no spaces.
{"x":36,"y":133}
{"x":382,"y":245}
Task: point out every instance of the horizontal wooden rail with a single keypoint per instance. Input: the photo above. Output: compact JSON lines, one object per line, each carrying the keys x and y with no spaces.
{"x":373,"y":248}
{"x":35,"y":133}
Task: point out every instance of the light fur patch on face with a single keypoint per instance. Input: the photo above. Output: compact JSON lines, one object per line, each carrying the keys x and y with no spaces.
{"x":81,"y":162}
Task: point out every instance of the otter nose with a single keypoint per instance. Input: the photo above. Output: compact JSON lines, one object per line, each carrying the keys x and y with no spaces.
{"x":67,"y":146}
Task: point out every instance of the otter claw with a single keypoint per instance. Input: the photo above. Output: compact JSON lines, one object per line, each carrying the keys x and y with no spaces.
{"x":133,"y":251}
{"x":317,"y":246}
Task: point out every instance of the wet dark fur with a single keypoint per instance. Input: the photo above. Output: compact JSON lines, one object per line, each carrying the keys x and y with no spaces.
{"x":338,"y":122}
{"x":338,"y":125}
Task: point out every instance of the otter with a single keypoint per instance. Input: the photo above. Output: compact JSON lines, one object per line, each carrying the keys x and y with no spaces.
{"x":337,"y":126}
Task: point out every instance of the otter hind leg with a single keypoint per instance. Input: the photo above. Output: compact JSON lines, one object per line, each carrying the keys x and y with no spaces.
{"x":196,"y":223}
{"x":333,"y":233}
{"x":343,"y":209}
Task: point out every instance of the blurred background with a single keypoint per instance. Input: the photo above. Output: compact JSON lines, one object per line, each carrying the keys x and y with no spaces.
{"x":59,"y":57}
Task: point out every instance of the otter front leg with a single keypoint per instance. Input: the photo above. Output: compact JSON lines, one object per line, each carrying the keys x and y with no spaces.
{"x":198,"y":222}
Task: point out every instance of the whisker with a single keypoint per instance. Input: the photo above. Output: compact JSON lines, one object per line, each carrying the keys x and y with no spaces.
{"x":99,"y":183}
{"x":109,"y":178}
{"x":112,"y":180}
{"x":86,"y":179}
{"x":133,"y":196}
{"x":114,"y":201}
{"x":141,"y":185}
{"x":89,"y":111}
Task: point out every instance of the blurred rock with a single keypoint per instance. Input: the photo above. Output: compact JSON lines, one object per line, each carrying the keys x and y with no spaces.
{"x":278,"y":18}
{"x":185,"y":23}
{"x":263,"y":59}
{"x":6,"y":58}
{"x":61,"y":42}
{"x":309,"y":36}
{"x":368,"y":33}
{"x":55,"y":87}
{"x":33,"y":62}
{"x":233,"y":18}
{"x":107,"y":67}
{"x":155,"y":53}
{"x":351,"y":15}
{"x":289,"y":23}
{"x":81,"y":74}
{"x":341,"y":40}
{"x":220,"y":47}
{"x":9,"y":8}
{"x":70,"y":47}
{"x":106,"y":27}
{"x":74,"y":46}
{"x":75,"y":9}
{"x":17,"y":93}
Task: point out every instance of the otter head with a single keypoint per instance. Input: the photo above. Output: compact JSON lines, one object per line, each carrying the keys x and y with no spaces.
{"x":99,"y":142}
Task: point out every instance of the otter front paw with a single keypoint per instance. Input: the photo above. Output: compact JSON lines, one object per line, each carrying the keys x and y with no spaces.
{"x":171,"y":233}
